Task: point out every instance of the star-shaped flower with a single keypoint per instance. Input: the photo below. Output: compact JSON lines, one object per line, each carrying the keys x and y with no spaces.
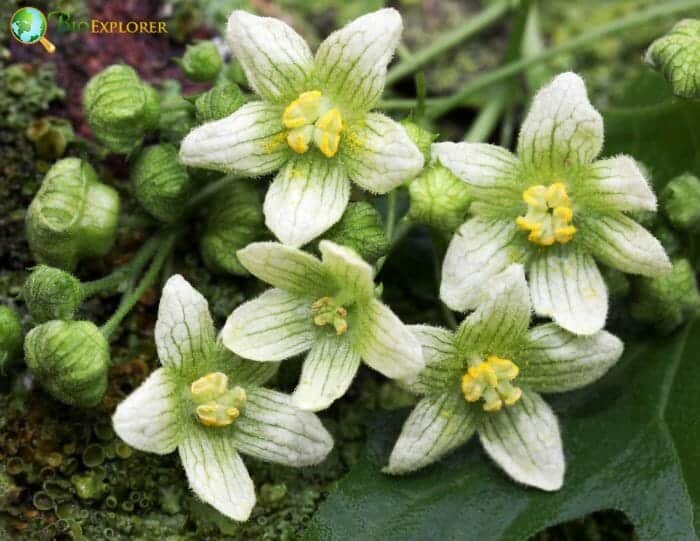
{"x":552,"y":207}
{"x":327,"y":307}
{"x":211,"y":406}
{"x":486,"y":378}
{"x":312,"y":123}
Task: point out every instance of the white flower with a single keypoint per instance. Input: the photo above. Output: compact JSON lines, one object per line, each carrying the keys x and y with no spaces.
{"x":211,"y":406}
{"x":553,"y":208}
{"x":313,"y":123}
{"x":327,"y":307}
{"x":486,"y":378}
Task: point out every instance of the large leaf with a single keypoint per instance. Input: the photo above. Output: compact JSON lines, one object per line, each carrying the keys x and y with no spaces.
{"x":632,"y":443}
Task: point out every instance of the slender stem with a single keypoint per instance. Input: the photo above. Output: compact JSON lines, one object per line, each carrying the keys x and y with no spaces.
{"x":390,"y":215}
{"x":403,"y":52}
{"x":131,"y":298}
{"x":210,"y":190}
{"x":447,"y":41}
{"x":404,"y":226}
{"x":488,"y":117}
{"x":443,"y":105}
{"x":116,"y":280}
{"x":439,"y":248}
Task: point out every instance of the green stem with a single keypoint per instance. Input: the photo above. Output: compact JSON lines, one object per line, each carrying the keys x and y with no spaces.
{"x":488,"y":117}
{"x":443,"y":105}
{"x":447,"y":41}
{"x":390,"y":215}
{"x":131,"y":298}
{"x":115,"y":281}
{"x":439,"y":248}
{"x":209,"y":191}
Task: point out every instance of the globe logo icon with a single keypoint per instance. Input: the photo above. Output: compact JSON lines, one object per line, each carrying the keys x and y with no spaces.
{"x":28,"y":25}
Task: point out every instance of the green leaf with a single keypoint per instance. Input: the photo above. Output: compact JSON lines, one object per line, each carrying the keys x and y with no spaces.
{"x":631,"y":443}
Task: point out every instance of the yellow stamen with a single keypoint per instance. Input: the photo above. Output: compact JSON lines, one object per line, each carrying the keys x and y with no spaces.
{"x":216,"y":405}
{"x":549,"y":214}
{"x":303,"y":110}
{"x":328,"y":311}
{"x":490,"y":381}
{"x":309,"y":118}
{"x":299,"y":138}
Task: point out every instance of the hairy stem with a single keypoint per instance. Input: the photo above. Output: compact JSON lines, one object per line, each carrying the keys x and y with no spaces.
{"x":440,"y":106}
{"x":447,"y":41}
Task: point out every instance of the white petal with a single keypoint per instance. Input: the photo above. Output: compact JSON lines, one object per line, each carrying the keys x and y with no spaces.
{"x":436,"y":426}
{"x":276,"y":60}
{"x":555,"y":360}
{"x":566,"y":285}
{"x":275,"y":326}
{"x":349,"y":271}
{"x":272,"y":429}
{"x":351,"y":63}
{"x":479,"y":249}
{"x":500,"y":321}
{"x":326,"y":374}
{"x":491,"y":172}
{"x":619,"y":184}
{"x":619,"y":241}
{"x":562,"y":128}
{"x":285,"y":267}
{"x":384,"y":343}
{"x":441,"y":360}
{"x":217,"y":474}
{"x":184,"y":331}
{"x":306,"y":198}
{"x":244,"y":372}
{"x":524,"y":440}
{"x":250,"y":142}
{"x":147,"y":419}
{"x":378,"y":154}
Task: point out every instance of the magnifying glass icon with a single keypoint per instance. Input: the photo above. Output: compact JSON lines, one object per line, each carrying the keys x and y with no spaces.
{"x":28,"y":25}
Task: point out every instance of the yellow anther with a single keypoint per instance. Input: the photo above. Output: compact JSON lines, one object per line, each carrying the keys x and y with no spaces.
{"x":549,"y":214}
{"x":327,"y":143}
{"x":303,"y":110}
{"x":328,"y":311}
{"x":299,"y":138}
{"x":217,"y":405}
{"x":331,"y":121}
{"x":490,"y":381}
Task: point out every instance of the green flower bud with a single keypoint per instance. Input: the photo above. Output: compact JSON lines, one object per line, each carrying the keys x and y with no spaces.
{"x":70,"y":359}
{"x":177,"y":115}
{"x":361,"y":229}
{"x":72,"y":216}
{"x":52,"y":293}
{"x":667,"y":301}
{"x":161,"y":183}
{"x":50,"y":136}
{"x":677,"y":56}
{"x":681,"y":202}
{"x":423,"y":139}
{"x":202,"y":62}
{"x":10,"y":336}
{"x":234,"y":220}
{"x":120,"y":108}
{"x":219,"y":102}
{"x":439,"y":199}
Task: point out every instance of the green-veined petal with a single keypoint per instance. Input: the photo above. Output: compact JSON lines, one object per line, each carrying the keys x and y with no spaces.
{"x":351,"y":63}
{"x":618,"y":183}
{"x":327,"y":372}
{"x":440,"y":357}
{"x":147,"y":419}
{"x":479,"y":249}
{"x":566,"y":285}
{"x":617,"y":240}
{"x":184,"y":331}
{"x":275,"y":326}
{"x":250,"y":142}
{"x":216,"y":472}
{"x":350,"y":272}
{"x":276,"y":60}
{"x":285,"y":267}
{"x":307,"y":197}
{"x":384,"y":343}
{"x":436,"y":426}
{"x":378,"y":154}
{"x":554,"y":360}
{"x":501,"y":319}
{"x":272,"y":429}
{"x":524,"y":440}
{"x":562,"y":128}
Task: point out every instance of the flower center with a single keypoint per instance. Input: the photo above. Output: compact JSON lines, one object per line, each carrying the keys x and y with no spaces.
{"x":217,"y":405}
{"x":312,"y":118}
{"x":328,"y":310}
{"x":490,"y":381}
{"x":549,"y":215}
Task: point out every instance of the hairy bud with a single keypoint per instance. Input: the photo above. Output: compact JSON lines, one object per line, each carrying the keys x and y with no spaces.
{"x":361,"y":229}
{"x":201,"y":62}
{"x":52,"y":293}
{"x":438,"y":199}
